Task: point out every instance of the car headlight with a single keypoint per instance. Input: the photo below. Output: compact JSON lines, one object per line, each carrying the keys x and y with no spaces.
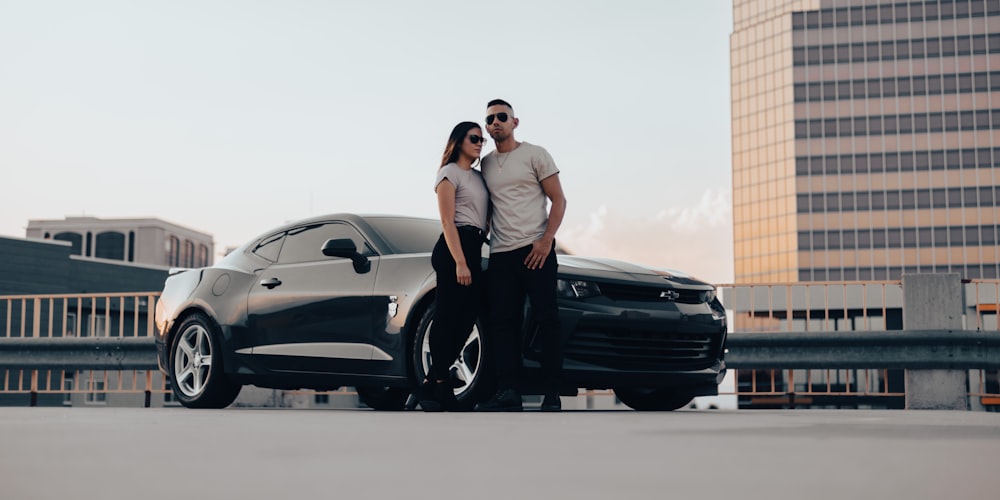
{"x":574,"y":289}
{"x":707,"y":297}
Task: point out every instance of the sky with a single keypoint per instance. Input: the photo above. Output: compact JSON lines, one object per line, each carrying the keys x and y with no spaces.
{"x":234,"y":117}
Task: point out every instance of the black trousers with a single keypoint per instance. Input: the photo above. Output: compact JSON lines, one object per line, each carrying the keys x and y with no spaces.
{"x":457,"y":305}
{"x":510,"y":282}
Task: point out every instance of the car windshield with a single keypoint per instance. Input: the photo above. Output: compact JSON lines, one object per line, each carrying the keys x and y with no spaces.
{"x":408,"y":235}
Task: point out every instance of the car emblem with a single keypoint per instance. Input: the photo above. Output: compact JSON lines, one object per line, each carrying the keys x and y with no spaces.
{"x":669,"y":295}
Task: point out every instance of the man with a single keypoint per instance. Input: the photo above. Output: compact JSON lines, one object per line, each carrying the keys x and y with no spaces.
{"x":522,"y":179}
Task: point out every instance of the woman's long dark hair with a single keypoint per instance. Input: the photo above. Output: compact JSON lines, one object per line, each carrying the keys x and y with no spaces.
{"x":454,"y":146}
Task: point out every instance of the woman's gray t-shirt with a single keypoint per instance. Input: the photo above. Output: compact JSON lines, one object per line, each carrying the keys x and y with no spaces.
{"x":472,"y":200}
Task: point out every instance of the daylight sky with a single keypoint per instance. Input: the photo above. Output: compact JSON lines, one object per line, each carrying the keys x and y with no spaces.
{"x":234,"y":117}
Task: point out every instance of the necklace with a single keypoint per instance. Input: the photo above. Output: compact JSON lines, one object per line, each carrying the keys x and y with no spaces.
{"x":501,"y":161}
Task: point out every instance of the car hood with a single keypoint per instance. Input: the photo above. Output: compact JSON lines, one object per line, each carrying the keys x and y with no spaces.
{"x":601,"y":268}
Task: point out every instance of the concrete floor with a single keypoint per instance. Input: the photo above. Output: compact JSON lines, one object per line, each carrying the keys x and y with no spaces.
{"x":240,"y":453}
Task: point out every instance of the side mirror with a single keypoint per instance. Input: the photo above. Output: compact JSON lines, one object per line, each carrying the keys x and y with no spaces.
{"x":345,"y":248}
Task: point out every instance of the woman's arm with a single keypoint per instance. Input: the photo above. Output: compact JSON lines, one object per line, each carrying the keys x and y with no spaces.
{"x":446,"y":208}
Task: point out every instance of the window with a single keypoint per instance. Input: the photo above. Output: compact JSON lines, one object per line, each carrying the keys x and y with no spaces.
{"x":110,"y":245}
{"x":304,"y":244}
{"x":833,"y":240}
{"x":67,"y":388}
{"x":933,"y":47}
{"x":188,"y":253}
{"x":202,"y":256}
{"x":902,"y":49}
{"x":955,"y":236}
{"x":268,"y":248}
{"x":70,"y":326}
{"x":875,"y":125}
{"x":98,"y":325}
{"x":173,"y":251}
{"x":95,"y":393}
{"x":890,"y":124}
{"x":74,"y":239}
{"x":936,"y":122}
{"x":800,"y":92}
{"x":969,"y":197}
{"x":967,"y":120}
{"x":844,"y":89}
{"x":878,"y":200}
{"x":858,"y":52}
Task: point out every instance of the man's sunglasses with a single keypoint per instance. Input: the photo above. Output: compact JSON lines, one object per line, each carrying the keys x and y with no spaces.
{"x":476,"y":139}
{"x":499,"y":116}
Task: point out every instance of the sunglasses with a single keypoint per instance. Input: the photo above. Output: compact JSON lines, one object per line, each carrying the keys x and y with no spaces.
{"x":499,"y":116}
{"x":476,"y":139}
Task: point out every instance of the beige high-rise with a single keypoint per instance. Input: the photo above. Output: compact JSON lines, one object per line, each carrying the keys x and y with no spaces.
{"x":866,"y":139}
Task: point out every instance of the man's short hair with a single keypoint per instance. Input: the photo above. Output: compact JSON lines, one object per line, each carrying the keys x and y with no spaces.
{"x":500,"y":102}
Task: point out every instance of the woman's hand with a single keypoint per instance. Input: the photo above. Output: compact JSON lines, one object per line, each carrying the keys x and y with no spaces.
{"x":463,"y":274}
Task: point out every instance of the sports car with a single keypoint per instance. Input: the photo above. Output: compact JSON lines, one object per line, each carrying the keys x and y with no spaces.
{"x":348,"y":300}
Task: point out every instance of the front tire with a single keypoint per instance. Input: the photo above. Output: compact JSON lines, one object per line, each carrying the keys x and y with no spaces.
{"x":654,"y":399}
{"x":197,"y":376}
{"x":472,"y":366}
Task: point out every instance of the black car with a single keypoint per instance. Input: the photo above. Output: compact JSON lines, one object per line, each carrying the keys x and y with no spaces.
{"x":347,"y":300}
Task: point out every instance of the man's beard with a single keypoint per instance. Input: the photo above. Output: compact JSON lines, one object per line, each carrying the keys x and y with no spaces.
{"x":499,"y":136}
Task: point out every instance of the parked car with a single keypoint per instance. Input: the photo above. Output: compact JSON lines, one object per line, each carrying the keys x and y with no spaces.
{"x":348,"y":300}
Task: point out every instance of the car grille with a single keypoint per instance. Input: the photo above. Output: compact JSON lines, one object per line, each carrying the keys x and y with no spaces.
{"x":630,"y":349}
{"x":647,"y":294}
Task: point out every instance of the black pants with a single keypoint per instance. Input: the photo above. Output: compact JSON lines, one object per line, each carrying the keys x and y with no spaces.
{"x":510,"y":282}
{"x":457,"y":305}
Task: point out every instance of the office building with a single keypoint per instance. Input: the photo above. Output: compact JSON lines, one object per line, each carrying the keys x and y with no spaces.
{"x":866,"y":139}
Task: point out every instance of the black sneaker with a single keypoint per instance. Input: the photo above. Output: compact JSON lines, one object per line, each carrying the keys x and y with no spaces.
{"x":552,"y":402}
{"x":444,"y":393}
{"x":426,"y":397}
{"x":505,"y":400}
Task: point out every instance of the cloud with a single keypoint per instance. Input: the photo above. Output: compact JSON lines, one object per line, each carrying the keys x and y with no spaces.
{"x":695,"y":239}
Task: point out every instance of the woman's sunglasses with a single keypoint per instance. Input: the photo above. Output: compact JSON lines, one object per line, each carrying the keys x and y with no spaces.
{"x":499,"y":116}
{"x":476,"y":139}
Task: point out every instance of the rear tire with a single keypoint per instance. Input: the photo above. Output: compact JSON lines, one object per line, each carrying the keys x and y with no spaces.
{"x":197,"y":375}
{"x":472,"y":367}
{"x":654,"y":399}
{"x":383,"y":398}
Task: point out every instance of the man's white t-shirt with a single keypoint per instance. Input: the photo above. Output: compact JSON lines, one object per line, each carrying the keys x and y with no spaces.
{"x":520,"y":207}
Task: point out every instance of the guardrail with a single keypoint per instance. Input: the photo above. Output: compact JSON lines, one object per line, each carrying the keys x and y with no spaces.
{"x":899,"y":349}
{"x":792,"y":344}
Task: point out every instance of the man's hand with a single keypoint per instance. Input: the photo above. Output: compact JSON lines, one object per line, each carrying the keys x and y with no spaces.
{"x":540,"y":250}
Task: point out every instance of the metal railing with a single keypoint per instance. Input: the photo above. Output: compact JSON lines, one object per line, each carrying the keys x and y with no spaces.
{"x":850,"y":311}
{"x":71,"y":346}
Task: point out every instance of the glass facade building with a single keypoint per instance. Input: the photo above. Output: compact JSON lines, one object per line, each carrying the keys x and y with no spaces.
{"x":866,"y":139}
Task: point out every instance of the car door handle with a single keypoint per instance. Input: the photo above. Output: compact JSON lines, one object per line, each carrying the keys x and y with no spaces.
{"x":270,"y":283}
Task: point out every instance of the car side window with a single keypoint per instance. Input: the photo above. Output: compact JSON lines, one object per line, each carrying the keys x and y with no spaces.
{"x":269,"y":247}
{"x":305,"y":243}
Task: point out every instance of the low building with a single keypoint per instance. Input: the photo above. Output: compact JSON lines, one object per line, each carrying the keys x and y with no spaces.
{"x":142,"y":240}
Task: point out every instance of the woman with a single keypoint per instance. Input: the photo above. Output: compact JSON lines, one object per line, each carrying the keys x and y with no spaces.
{"x":463,"y":203}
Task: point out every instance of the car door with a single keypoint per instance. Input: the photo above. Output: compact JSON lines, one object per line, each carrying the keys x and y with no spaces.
{"x":312,"y":313}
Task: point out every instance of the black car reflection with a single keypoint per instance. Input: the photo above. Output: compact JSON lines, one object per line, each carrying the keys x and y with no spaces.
{"x":347,"y":300}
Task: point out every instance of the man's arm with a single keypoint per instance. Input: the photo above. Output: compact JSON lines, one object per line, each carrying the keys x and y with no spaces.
{"x":542,"y":246}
